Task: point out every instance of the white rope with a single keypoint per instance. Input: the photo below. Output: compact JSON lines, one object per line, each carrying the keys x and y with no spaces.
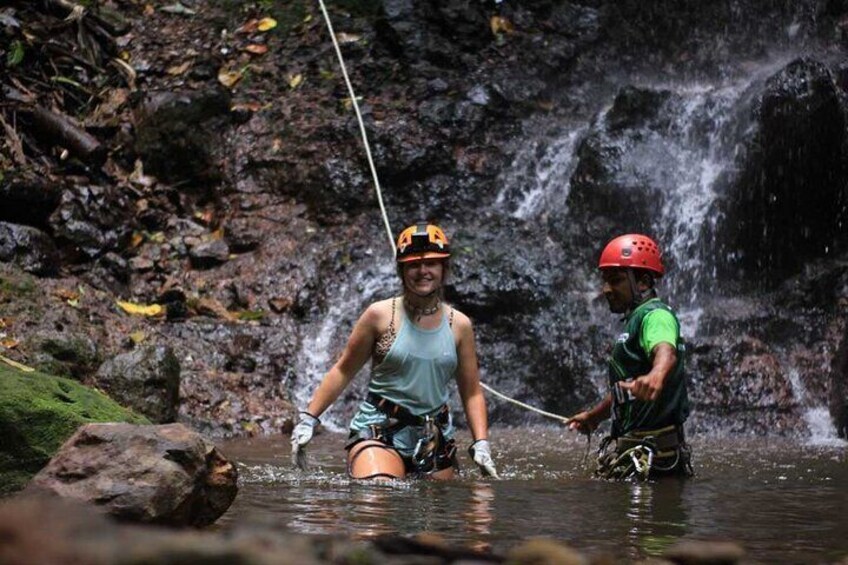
{"x":361,"y":127}
{"x":562,"y":419}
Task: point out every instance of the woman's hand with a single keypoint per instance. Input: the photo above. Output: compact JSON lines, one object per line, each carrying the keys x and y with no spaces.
{"x":481,"y":454}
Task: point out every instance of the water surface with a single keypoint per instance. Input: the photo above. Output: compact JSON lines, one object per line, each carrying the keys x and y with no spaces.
{"x":781,"y":499}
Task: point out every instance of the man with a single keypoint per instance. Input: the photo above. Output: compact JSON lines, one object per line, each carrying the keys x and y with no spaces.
{"x":648,"y":402}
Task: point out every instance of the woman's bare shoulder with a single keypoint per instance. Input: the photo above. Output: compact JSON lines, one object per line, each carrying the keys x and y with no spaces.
{"x":380,"y":310}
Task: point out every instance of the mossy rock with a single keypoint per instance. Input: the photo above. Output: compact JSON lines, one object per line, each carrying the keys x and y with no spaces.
{"x":38,"y":412}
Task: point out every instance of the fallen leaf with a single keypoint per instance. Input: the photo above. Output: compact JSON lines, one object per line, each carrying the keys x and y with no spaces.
{"x":138,"y":337}
{"x":16,"y":365}
{"x":266,"y":24}
{"x":149,"y":10}
{"x":141,"y":309}
{"x":9,"y":343}
{"x":210,"y":306}
{"x":249,"y":26}
{"x":295,"y":80}
{"x":280,"y":305}
{"x":256,"y":48}
{"x":246,"y":106}
{"x":250,"y":315}
{"x":177,"y":70}
{"x":177,"y":8}
{"x":500,"y":25}
{"x":229,"y":78}
{"x":66,"y":294}
{"x":347,"y":37}
{"x":136,"y":239}
{"x":205,"y":216}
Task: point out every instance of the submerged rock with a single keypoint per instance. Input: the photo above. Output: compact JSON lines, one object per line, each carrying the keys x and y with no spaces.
{"x":691,"y":552}
{"x":165,"y":474}
{"x":38,"y":412}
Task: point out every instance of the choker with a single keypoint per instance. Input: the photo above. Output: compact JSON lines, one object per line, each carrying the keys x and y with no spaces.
{"x":419,"y":312}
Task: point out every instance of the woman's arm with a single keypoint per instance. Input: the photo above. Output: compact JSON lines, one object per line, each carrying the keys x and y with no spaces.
{"x":468,"y":379}
{"x":356,"y":353}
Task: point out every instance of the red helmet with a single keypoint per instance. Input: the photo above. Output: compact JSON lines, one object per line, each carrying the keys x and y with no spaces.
{"x":422,"y":241}
{"x":633,"y":250}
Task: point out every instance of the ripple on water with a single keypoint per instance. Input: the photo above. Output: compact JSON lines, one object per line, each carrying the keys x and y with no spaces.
{"x":782,"y":499}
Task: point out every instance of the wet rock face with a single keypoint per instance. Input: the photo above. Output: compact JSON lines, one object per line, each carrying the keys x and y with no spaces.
{"x":28,"y":201}
{"x":165,"y":475}
{"x":146,"y":380}
{"x":178,"y":134}
{"x":791,"y":205}
{"x":611,"y":186}
{"x":29,"y":248}
{"x":91,"y":220}
{"x":837,"y":400}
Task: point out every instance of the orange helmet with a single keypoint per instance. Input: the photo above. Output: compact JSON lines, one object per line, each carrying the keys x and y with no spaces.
{"x":635,"y":251}
{"x":422,"y":241}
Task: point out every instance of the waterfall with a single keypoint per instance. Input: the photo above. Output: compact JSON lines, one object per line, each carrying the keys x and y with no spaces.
{"x":542,"y":173}
{"x":323,"y":340}
{"x":816,"y":418}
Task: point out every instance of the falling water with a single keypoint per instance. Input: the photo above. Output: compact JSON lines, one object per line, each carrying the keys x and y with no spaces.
{"x":542,"y":173}
{"x":817,"y":418}
{"x":322,"y":341}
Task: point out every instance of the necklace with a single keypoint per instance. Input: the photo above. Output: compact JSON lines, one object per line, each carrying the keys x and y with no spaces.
{"x":418,"y":312}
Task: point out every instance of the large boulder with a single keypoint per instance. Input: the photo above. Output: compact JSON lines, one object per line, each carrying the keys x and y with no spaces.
{"x":788,"y":206}
{"x":146,"y":379}
{"x":38,"y":412}
{"x":165,"y":474}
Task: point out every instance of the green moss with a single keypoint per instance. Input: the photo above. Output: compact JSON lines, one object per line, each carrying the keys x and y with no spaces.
{"x":38,"y":412}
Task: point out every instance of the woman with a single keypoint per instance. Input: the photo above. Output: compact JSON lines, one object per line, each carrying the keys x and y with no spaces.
{"x":417,"y":344}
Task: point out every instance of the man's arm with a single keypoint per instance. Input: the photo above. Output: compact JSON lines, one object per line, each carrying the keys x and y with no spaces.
{"x":648,"y":387}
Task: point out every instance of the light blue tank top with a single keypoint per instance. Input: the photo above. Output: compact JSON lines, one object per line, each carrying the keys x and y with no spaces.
{"x":415,"y":373}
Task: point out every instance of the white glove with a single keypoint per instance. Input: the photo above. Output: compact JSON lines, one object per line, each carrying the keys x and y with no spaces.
{"x":481,"y":453}
{"x":301,"y":435}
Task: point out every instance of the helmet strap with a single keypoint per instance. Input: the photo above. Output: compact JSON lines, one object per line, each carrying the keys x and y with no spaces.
{"x":637,"y":296}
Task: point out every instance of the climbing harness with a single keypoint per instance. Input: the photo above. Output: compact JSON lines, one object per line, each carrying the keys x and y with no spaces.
{"x":638,"y":454}
{"x":355,"y":104}
{"x":432,"y":452}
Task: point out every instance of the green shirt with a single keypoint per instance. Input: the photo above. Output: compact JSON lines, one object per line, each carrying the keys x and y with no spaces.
{"x":650,"y":324}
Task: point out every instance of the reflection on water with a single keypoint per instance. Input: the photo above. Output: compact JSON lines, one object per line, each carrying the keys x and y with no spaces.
{"x":784,"y":502}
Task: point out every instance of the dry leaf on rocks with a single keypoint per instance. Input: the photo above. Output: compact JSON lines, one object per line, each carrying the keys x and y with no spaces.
{"x":149,"y":310}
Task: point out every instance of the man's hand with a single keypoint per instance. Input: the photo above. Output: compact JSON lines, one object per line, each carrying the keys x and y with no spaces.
{"x":583,"y":423}
{"x":646,"y":388}
{"x":481,"y":453}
